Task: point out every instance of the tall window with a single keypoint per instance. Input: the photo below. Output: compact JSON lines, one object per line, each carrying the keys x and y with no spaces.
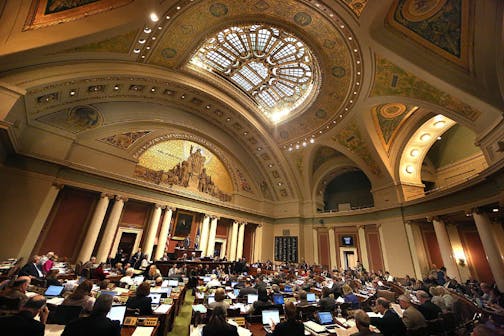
{"x":273,"y":67}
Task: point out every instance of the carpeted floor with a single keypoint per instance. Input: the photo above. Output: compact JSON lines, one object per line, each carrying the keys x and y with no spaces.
{"x":182,"y":321}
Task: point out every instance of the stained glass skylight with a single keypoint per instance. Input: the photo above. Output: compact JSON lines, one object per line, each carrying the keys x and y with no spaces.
{"x":273,"y":67}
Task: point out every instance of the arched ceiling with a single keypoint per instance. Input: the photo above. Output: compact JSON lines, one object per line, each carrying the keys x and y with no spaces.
{"x":385,"y":66}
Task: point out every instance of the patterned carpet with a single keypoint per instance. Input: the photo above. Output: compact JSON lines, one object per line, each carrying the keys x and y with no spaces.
{"x":182,"y":321}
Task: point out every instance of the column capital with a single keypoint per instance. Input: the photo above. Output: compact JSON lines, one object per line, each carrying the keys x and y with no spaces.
{"x":156,"y":205}
{"x":107,"y":195}
{"x":121,"y":198}
{"x":360,"y":226}
{"x":476,"y":210}
{"x":331,"y":228}
{"x":431,"y":219}
{"x":170,"y":208}
{"x":58,"y":185}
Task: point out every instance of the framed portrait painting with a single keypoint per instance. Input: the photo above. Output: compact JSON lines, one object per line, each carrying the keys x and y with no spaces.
{"x":183,"y":224}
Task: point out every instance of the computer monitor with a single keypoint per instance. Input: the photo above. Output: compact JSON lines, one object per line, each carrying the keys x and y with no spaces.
{"x":278,"y":299}
{"x":251,"y":298}
{"x":156,"y":298}
{"x":173,"y":283}
{"x":288,"y":289}
{"x":206,"y":279}
{"x":325,"y":317}
{"x":269,"y":316}
{"x":236,"y":291}
{"x":53,"y":290}
{"x":310,"y":297}
{"x":116,"y":313}
{"x":165,"y":283}
{"x":211,"y":299}
{"x":233,"y":283}
{"x":138,"y":279}
{"x":163,"y":290}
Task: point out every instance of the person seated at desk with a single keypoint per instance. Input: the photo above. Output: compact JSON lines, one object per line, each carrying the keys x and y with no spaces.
{"x":119,"y":269}
{"x":52,"y":278}
{"x":390,"y":323}
{"x":128,"y":278}
{"x":327,"y":303}
{"x":429,"y":310}
{"x":218,"y":326}
{"x":262,"y":300}
{"x":350,"y":297}
{"x":141,"y":300}
{"x":16,"y":289}
{"x":362,"y":322}
{"x":81,"y":296}
{"x":32,"y":269}
{"x":144,"y":263}
{"x":49,"y":263}
{"x":247,"y":289}
{"x":290,"y":327}
{"x":303,"y":301}
{"x":89,"y":264}
{"x":219,"y":297}
{"x":99,"y":272}
{"x":214,"y":282}
{"x":97,"y":323}
{"x":412,"y":318}
{"x":153,"y":273}
{"x":23,"y":323}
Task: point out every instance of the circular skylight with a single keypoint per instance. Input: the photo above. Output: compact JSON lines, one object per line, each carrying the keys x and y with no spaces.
{"x":273,"y":67}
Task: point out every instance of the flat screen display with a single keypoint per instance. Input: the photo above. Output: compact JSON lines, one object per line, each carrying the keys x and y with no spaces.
{"x":325,"y":317}
{"x":211,"y":299}
{"x":288,"y":289}
{"x":53,"y":290}
{"x":251,"y":298}
{"x":269,"y":316}
{"x":347,"y":240}
{"x":310,"y":297}
{"x":156,"y":298}
{"x":116,"y":313}
{"x":173,"y":283}
{"x":278,"y":299}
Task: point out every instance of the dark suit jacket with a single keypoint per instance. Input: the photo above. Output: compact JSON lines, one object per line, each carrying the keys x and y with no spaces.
{"x":289,"y":328}
{"x":227,"y":330}
{"x":390,"y":324}
{"x":21,"y":324}
{"x":140,"y":302}
{"x":429,"y":310}
{"x":93,"y":325}
{"x":247,"y":290}
{"x":31,"y":269}
{"x":327,"y":304}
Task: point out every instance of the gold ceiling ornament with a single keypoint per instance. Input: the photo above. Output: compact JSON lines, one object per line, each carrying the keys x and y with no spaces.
{"x":270,"y":65}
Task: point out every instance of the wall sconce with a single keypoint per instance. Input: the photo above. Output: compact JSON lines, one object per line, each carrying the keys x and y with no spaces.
{"x":461,"y":262}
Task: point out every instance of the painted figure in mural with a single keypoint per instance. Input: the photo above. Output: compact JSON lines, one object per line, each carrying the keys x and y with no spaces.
{"x":202,"y":183}
{"x":184,"y":174}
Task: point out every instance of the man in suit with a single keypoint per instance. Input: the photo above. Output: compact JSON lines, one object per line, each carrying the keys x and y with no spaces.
{"x":23,"y":323}
{"x":362,"y":323}
{"x":97,"y":323}
{"x":136,"y":259}
{"x":248,"y":289}
{"x":429,"y":310}
{"x":390,"y":324}
{"x":412,"y":318}
{"x":33,"y":268}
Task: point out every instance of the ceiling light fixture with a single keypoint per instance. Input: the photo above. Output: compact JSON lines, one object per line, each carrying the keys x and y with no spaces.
{"x":425,"y":137}
{"x":153,"y":16}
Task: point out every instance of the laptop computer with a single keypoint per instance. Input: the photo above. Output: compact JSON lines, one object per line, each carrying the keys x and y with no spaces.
{"x":251,"y":298}
{"x":173,"y":283}
{"x":111,"y":293}
{"x":310,"y":297}
{"x":156,"y":299}
{"x":325,"y":319}
{"x":236,"y":291}
{"x":278,"y":299}
{"x":233,"y":283}
{"x":117,"y":313}
{"x":211,"y":299}
{"x":138,"y":279}
{"x":269,"y":317}
{"x":287,"y":289}
{"x":53,"y":291}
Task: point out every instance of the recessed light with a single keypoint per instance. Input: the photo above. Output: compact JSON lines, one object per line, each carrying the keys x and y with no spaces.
{"x":270,"y":165}
{"x":297,"y":146}
{"x":141,"y":41}
{"x":312,"y":140}
{"x":410,"y":169}
{"x":290,"y":149}
{"x":153,"y":89}
{"x":495,"y":209}
{"x":425,"y":137}
{"x":147,"y":30}
{"x":304,"y":143}
{"x":136,"y":50}
{"x":72,"y":92}
{"x":259,"y":149}
{"x":153,"y":16}
{"x":414,"y":152}
{"x":439,"y":138}
{"x":207,"y":107}
{"x":439,"y":124}
{"x":168,"y":17}
{"x":116,"y":87}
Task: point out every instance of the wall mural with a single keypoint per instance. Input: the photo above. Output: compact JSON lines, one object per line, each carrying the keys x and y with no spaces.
{"x":388,"y":118}
{"x":391,"y":80}
{"x":357,"y":6}
{"x":45,"y":13}
{"x":124,"y":140}
{"x":117,"y":44}
{"x":185,"y":164}
{"x":440,"y":25}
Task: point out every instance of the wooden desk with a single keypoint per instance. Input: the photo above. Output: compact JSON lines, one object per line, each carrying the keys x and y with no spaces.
{"x":128,"y":331}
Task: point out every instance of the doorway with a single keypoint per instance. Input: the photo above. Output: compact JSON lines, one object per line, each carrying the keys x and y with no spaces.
{"x":348,"y":257}
{"x":127,"y":242}
{"x":128,"y":239}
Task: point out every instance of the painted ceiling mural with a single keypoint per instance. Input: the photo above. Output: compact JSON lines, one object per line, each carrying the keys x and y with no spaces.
{"x":357,"y":6}
{"x":74,"y":120}
{"x":391,"y":80}
{"x":388,"y":118}
{"x":118,"y":44}
{"x":440,"y":25}
{"x":44,"y":13}
{"x":185,"y":164}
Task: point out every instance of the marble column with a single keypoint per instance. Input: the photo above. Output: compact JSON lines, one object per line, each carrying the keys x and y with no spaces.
{"x":211,"y":237}
{"x":152,"y":229}
{"x":94,"y":228}
{"x":234,"y":238}
{"x":361,"y":230}
{"x":494,"y":257}
{"x":205,"y":228}
{"x":110,"y":229}
{"x":258,"y":243}
{"x":315,"y":246}
{"x":445,"y":248}
{"x":413,"y":250}
{"x":40,"y":219}
{"x":241,"y":235}
{"x":163,"y":234}
{"x":332,"y":249}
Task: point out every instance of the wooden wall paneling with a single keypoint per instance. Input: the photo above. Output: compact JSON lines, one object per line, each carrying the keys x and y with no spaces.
{"x":432,"y":246}
{"x":476,"y":257}
{"x":67,"y":224}
{"x":248,"y":240}
{"x":323,"y":248}
{"x":375,"y":254}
